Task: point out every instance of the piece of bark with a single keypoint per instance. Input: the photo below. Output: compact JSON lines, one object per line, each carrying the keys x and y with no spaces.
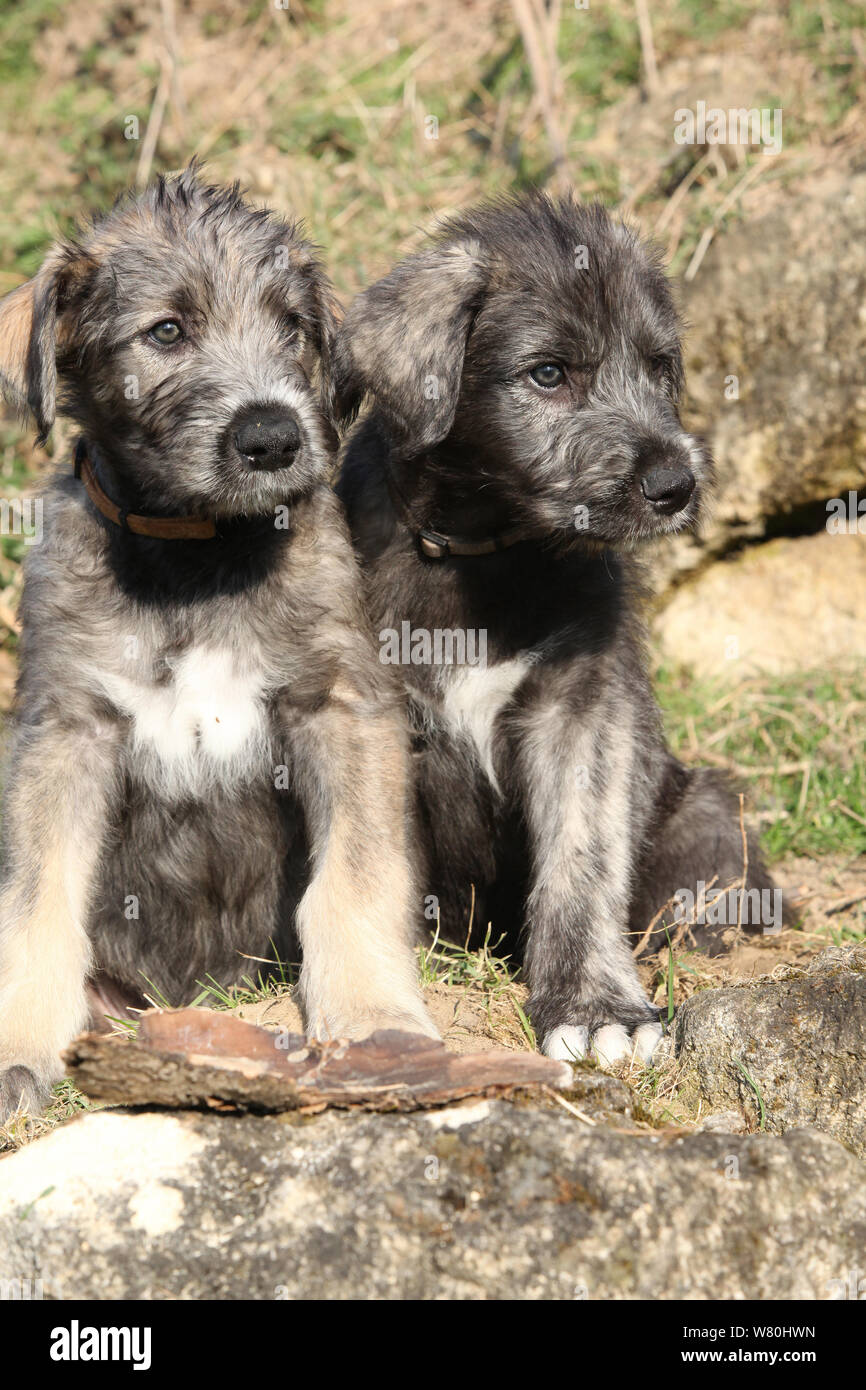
{"x":194,"y":1058}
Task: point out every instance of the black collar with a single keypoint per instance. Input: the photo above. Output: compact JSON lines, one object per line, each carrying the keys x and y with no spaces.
{"x":435,"y":545}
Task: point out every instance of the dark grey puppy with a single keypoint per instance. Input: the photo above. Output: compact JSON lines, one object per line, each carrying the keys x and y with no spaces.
{"x":207,"y":756}
{"x":524,"y":373}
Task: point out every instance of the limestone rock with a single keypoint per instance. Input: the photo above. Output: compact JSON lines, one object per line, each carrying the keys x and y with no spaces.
{"x":483,"y":1200}
{"x":801,"y":1038}
{"x":781,"y":607}
{"x":780,"y":304}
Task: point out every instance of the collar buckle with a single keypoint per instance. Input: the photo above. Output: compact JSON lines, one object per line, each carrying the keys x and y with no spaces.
{"x":434,"y":545}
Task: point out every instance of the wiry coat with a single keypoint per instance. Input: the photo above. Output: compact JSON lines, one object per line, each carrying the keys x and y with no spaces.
{"x":207,"y":761}
{"x":547,"y":802}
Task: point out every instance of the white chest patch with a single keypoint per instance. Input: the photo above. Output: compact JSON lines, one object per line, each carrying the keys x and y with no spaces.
{"x":473,"y":698}
{"x":206,"y":723}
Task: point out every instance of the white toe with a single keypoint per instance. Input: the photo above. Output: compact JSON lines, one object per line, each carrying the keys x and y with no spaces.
{"x":646,"y":1040}
{"x":611,"y":1043}
{"x":569,"y":1043}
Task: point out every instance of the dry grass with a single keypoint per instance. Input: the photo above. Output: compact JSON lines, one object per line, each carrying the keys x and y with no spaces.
{"x":794,"y":744}
{"x":328,"y":109}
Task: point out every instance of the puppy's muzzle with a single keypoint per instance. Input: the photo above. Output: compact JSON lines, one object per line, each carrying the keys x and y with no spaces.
{"x":266,"y":438}
{"x":666,"y":483}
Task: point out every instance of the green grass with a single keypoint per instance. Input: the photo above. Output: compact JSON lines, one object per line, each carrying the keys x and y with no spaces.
{"x":274,"y":976}
{"x":444,"y":962}
{"x":66,"y":1102}
{"x":671,"y":979}
{"x":480,"y":969}
{"x":851,"y":930}
{"x":20,"y":27}
{"x":754,"y":1087}
{"x":250,"y":989}
{"x":706,"y":22}
{"x":794,"y":745}
{"x":599,"y":49}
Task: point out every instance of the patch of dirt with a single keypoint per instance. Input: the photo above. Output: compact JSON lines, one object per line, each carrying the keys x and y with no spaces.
{"x":470,"y":1018}
{"x":829,"y":894}
{"x":474,"y":1020}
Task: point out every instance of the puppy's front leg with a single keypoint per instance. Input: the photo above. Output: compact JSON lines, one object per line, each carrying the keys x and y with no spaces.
{"x":577,"y":788}
{"x":59,"y":783}
{"x":359,"y":970}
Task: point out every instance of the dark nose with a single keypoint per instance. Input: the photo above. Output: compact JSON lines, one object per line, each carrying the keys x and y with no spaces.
{"x":668,"y":489}
{"x":267,"y":438}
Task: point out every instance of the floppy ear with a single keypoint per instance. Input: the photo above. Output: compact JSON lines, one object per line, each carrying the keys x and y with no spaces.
{"x":320,"y":317}
{"x":403,"y":340}
{"x":28,"y":333}
{"x":28,"y":375}
{"x":323,"y":328}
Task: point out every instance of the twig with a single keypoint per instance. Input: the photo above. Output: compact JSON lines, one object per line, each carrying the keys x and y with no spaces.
{"x":846,"y":810}
{"x":786,"y":769}
{"x":648,"y":933}
{"x":154,"y":124}
{"x":567,"y":1105}
{"x":177,"y":97}
{"x":742,"y":894}
{"x":647,"y":48}
{"x":680,"y":192}
{"x":688,"y":922}
{"x":543,"y":69}
{"x":471,"y":920}
{"x":842,"y":903}
{"x":703,"y":245}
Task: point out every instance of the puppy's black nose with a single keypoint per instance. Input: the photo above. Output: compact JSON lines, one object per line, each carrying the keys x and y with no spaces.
{"x":266,"y":438}
{"x":669,"y":489}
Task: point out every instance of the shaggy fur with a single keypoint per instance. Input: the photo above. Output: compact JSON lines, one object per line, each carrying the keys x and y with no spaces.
{"x":547,"y":802}
{"x":207,"y":758}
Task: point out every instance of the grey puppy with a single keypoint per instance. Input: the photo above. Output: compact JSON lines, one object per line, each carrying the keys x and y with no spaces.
{"x":206,"y":756}
{"x":524,"y":371}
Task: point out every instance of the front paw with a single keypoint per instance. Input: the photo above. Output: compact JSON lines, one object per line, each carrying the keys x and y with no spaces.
{"x":356,"y":1028}
{"x":22,"y":1092}
{"x":329,"y":1024}
{"x":609,"y":1044}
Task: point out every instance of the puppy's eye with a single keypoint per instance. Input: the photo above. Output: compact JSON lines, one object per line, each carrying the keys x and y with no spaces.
{"x":166,"y":333}
{"x":661,"y":365}
{"x":548,"y":375}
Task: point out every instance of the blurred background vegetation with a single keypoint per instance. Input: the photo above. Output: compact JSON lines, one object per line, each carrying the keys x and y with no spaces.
{"x":369,"y":118}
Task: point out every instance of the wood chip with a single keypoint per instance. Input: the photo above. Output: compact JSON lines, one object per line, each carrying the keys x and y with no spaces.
{"x":199,"y":1058}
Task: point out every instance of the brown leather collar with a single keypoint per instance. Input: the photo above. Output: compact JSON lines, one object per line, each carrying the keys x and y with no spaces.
{"x":437,"y":546}
{"x":166,"y":528}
